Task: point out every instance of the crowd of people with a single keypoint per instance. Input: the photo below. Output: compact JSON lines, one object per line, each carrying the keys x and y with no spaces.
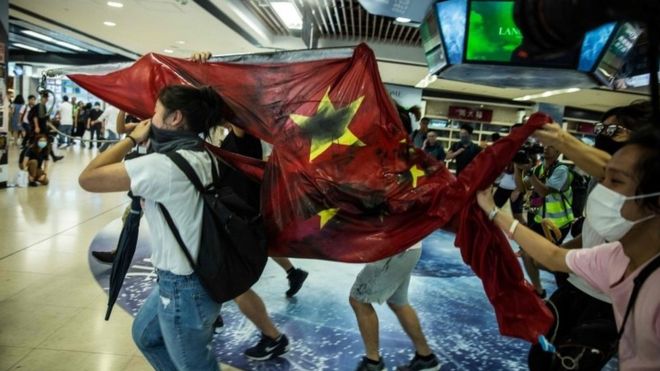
{"x":39,"y":128}
{"x":594,"y":270}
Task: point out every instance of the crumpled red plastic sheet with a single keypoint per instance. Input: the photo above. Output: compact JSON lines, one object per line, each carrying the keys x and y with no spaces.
{"x":343,"y":182}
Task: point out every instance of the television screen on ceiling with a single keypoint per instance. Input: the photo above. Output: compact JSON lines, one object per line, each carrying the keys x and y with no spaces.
{"x":429,"y":32}
{"x":492,"y":35}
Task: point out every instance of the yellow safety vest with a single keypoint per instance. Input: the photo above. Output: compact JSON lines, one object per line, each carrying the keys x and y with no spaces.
{"x":556,"y":205}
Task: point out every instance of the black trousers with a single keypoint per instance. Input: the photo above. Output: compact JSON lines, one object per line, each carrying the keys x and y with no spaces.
{"x":582,"y":323}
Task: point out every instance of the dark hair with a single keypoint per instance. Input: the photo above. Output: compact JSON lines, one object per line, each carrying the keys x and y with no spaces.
{"x":634,"y":116}
{"x":202,"y":108}
{"x":425,"y":119}
{"x":495,"y":137}
{"x":65,"y":98}
{"x":467,"y":128}
{"x":88,"y":106}
{"x":44,"y":94}
{"x":31,"y":96}
{"x":648,"y":166}
{"x":19,"y":99}
{"x":97,"y":104}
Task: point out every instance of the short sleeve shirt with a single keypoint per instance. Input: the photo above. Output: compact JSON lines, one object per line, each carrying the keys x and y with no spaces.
{"x":603,"y":268}
{"x":470,"y":152}
{"x":156,"y":178}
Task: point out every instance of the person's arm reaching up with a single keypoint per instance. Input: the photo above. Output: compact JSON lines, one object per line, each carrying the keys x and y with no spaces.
{"x":586,"y":157}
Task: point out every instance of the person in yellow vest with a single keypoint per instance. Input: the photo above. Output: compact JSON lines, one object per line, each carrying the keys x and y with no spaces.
{"x":550,"y":213}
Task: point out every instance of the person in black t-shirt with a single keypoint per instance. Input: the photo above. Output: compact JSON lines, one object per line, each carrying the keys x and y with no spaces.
{"x":35,"y":161}
{"x":465,"y":150}
{"x":433,"y":147}
{"x":94,"y":125}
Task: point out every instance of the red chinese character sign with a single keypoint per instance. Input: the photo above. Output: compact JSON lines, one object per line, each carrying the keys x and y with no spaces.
{"x":343,"y":182}
{"x":470,"y":114}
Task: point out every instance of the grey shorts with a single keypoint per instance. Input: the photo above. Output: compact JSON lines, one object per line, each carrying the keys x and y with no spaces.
{"x":387,"y":279}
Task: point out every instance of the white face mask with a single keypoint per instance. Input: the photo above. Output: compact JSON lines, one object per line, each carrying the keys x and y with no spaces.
{"x":604,"y":212}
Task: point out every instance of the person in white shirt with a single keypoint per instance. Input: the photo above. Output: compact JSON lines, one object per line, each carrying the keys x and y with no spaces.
{"x":174,"y":327}
{"x":109,"y":128}
{"x":65,"y":116}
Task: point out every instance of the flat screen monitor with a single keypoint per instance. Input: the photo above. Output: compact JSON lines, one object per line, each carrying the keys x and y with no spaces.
{"x":492,"y":35}
{"x":429,"y":32}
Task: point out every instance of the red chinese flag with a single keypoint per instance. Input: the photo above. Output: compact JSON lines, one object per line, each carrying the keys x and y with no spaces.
{"x":343,"y":182}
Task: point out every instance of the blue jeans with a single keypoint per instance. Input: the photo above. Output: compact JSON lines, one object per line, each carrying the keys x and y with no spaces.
{"x":174,"y":327}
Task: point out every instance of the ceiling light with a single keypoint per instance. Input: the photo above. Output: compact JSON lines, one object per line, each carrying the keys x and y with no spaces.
{"x":403,"y":19}
{"x":37,"y":35}
{"x":70,"y":46}
{"x":546,"y":94}
{"x":288,"y":13}
{"x":115,"y":4}
{"x":168,"y":51}
{"x":28,"y":47}
{"x":180,"y":42}
{"x":109,"y":24}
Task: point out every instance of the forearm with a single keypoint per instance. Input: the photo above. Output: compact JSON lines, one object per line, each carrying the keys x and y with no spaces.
{"x":112,"y":155}
{"x":575,"y":243}
{"x":587,"y":158}
{"x":539,"y":187}
{"x":540,"y":249}
{"x":517,"y":177}
{"x":121,"y":122}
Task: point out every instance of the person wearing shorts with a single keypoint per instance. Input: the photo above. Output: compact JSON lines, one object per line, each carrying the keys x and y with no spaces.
{"x":387,"y":280}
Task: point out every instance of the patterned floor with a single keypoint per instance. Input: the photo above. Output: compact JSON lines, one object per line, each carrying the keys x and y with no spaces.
{"x":455,"y":314}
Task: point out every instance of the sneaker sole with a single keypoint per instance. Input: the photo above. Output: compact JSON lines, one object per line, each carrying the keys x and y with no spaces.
{"x":269,"y":356}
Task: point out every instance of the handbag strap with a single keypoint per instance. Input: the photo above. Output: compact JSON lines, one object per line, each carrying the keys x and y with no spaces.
{"x":177,"y":235}
{"x":638,"y":282}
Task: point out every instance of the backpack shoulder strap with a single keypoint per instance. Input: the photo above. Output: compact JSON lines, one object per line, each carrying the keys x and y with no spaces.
{"x":177,"y":235}
{"x":182,"y":164}
{"x":638,"y":282}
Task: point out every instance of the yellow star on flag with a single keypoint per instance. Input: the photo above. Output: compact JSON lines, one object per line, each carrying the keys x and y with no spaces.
{"x":326,"y":215}
{"x":329,"y":125}
{"x":416,"y":173}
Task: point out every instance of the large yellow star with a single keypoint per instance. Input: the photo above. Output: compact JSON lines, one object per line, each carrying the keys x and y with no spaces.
{"x":326,"y":215}
{"x":329,"y":125}
{"x":416,"y":173}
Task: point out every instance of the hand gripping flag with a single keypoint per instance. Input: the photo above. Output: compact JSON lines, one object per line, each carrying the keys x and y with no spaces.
{"x":343,"y":182}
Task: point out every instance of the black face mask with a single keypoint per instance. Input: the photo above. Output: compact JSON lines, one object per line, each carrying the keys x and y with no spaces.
{"x":607,"y":144}
{"x":171,"y":140}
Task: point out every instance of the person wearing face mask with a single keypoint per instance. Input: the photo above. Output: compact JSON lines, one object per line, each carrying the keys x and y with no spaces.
{"x":550,"y":204}
{"x":174,"y":327}
{"x":35,"y":161}
{"x":623,"y":208}
{"x":464,"y":150}
{"x":580,"y":310}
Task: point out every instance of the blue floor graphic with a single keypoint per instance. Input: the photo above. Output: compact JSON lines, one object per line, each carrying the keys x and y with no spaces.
{"x":456,"y":316}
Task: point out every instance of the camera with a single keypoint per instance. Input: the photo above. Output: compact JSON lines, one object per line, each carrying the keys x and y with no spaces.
{"x":528,"y":153}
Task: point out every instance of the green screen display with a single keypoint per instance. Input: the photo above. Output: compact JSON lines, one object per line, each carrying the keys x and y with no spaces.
{"x":492,"y":33}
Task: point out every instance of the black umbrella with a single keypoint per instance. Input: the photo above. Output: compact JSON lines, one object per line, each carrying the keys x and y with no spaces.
{"x":125,"y":250}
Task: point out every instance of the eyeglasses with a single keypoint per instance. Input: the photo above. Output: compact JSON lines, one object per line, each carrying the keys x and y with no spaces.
{"x":610,"y":129}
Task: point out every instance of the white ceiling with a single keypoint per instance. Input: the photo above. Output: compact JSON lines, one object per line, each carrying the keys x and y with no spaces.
{"x":144,"y":26}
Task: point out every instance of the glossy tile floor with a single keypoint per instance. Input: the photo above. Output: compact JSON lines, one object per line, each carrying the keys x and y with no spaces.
{"x":51,"y":308}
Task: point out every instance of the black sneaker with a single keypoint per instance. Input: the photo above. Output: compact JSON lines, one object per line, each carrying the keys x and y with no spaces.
{"x":296,"y":279}
{"x":106,"y":257}
{"x":268,"y":348}
{"x":367,"y":365}
{"x":218,"y":324}
{"x":57,"y":158}
{"x":419,"y":364}
{"x":33,"y":184}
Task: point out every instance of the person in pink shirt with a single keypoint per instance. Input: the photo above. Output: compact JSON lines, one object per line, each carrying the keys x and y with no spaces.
{"x":623,"y":209}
